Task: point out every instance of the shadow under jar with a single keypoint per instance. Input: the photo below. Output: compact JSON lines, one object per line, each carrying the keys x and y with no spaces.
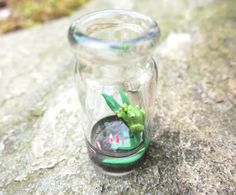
{"x":116,"y":80}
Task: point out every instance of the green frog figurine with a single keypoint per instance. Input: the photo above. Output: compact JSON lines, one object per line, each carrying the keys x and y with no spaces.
{"x":133,"y":116}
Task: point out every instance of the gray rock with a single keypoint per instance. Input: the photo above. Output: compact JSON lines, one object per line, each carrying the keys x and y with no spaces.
{"x":193,"y":152}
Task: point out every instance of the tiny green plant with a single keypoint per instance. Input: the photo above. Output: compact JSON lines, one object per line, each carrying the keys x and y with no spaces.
{"x":133,"y":116}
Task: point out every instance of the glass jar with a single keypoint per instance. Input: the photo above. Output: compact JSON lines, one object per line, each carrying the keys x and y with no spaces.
{"x":116,"y":80}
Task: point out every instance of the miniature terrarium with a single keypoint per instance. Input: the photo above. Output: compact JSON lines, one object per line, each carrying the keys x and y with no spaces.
{"x":116,"y":80}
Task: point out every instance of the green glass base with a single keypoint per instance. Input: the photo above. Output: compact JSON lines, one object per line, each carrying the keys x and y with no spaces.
{"x":115,"y":149}
{"x":129,"y":159}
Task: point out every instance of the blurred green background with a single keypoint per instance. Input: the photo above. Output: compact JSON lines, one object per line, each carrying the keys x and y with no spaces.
{"x":18,"y":14}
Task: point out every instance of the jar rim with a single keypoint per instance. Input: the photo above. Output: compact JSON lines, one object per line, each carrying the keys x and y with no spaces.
{"x":76,"y":35}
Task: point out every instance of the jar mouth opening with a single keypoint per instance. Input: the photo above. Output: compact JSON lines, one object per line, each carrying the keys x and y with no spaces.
{"x":114,"y":28}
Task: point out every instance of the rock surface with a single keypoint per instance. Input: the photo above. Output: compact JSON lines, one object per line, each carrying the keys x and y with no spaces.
{"x":194,"y":149}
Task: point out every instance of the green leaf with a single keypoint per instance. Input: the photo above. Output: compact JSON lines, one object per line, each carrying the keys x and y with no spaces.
{"x":124,"y":97}
{"x":111,"y":102}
